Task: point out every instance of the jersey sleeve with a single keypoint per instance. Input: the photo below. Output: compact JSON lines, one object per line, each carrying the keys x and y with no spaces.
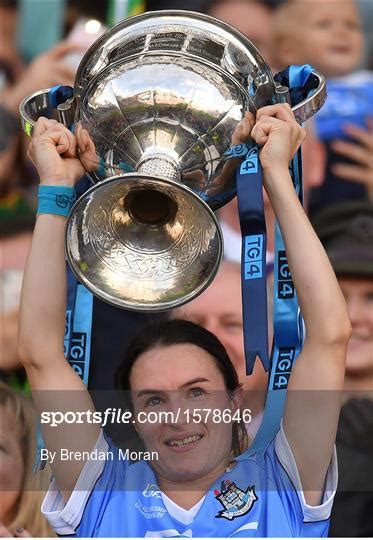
{"x":66,"y":517}
{"x":286,"y":459}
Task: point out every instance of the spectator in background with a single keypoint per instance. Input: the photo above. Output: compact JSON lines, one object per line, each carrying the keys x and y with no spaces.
{"x":21,"y":491}
{"x":251,"y":17}
{"x":219,"y":310}
{"x":16,"y":173}
{"x":45,"y":71}
{"x":346,"y":231}
{"x":328,"y":35}
{"x":15,"y":240}
{"x":254,"y":19}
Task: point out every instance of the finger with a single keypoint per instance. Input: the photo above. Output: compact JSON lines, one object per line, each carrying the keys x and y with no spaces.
{"x":240,"y":134}
{"x":42,"y":125}
{"x":355,"y":152}
{"x":249,"y":119}
{"x":363,"y":136}
{"x":264,"y":126}
{"x":282,"y":111}
{"x":4,"y":532}
{"x":80,"y":139}
{"x":261,"y":131}
{"x":248,"y":123}
{"x":64,"y":73}
{"x":88,"y":142}
{"x":91,"y":145}
{"x":71,"y":151}
{"x":63,"y":48}
{"x":58,"y":135}
{"x":63,"y":144}
{"x":353,"y":173}
{"x":20,"y":532}
{"x":30,"y":152}
{"x":274,"y":121}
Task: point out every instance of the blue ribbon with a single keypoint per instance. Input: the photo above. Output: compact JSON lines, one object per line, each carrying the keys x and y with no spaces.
{"x":79,"y":313}
{"x":59,"y":94}
{"x":287,"y":320}
{"x":253,"y":258}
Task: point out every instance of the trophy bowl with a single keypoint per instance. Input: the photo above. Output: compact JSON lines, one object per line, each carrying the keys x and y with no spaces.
{"x":159,"y":97}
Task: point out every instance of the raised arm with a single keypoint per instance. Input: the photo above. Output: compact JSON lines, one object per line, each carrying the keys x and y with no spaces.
{"x":314,"y":393}
{"x":55,"y":386}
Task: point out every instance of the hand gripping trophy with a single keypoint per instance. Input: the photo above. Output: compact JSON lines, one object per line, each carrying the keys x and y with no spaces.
{"x":156,"y":101}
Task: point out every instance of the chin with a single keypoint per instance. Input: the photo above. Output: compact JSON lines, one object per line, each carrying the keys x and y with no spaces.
{"x":184,"y":473}
{"x":339,"y":67}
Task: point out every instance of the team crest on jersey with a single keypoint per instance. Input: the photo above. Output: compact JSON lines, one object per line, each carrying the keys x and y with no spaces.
{"x":236,"y":501}
{"x":152,"y":490}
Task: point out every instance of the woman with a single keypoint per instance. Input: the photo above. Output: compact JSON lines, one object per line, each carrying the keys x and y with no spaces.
{"x":21,"y":492}
{"x":196,"y":487}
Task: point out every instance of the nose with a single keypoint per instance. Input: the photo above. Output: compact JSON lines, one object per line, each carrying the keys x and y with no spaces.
{"x":212,"y":326}
{"x":176,"y":416}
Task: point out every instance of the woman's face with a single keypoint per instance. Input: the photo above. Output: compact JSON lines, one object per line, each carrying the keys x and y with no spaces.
{"x":179,"y":380}
{"x":11,"y":468}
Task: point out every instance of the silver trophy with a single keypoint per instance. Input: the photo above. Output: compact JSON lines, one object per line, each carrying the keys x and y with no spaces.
{"x":158,"y":97}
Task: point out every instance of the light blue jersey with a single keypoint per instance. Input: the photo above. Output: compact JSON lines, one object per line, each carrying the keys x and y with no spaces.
{"x":260,"y":497}
{"x":350,"y":101}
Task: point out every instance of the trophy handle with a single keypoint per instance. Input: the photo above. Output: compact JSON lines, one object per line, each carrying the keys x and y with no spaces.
{"x":57,"y":102}
{"x":308,"y":107}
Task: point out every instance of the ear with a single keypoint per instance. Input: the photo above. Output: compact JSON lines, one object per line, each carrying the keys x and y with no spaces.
{"x":237,"y":397}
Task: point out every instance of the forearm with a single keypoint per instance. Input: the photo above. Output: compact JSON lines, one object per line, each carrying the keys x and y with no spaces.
{"x":320,"y":298}
{"x":43,"y":304}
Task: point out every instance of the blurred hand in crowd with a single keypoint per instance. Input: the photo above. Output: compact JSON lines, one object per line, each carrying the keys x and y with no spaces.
{"x":45,"y":71}
{"x":361,"y":152}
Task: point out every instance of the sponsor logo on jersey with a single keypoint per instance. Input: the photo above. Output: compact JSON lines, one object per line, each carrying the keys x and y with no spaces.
{"x":236,"y":502}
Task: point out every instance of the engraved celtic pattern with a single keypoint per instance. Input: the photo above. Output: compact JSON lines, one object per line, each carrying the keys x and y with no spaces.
{"x":188,"y":240}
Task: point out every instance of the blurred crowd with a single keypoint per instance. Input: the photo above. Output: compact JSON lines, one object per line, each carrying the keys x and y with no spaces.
{"x":333,"y":36}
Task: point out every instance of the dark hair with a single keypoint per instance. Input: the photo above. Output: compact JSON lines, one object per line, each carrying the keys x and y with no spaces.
{"x":174,"y":332}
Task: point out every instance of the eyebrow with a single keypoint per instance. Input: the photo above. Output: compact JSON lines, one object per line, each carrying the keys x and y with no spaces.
{"x":188,"y":383}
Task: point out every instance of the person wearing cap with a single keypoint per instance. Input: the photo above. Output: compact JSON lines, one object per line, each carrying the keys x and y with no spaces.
{"x":346,"y":231}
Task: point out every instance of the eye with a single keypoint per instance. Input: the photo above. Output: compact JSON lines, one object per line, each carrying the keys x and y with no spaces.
{"x":153,"y":401}
{"x":196,"y":392}
{"x":353,"y":25}
{"x":323,"y":24}
{"x":233,"y":327}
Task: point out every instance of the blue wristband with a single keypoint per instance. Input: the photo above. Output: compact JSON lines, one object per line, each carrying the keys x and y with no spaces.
{"x":55,"y":200}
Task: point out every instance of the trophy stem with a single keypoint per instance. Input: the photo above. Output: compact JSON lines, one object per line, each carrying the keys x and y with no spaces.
{"x":153,"y":207}
{"x":159,"y":166}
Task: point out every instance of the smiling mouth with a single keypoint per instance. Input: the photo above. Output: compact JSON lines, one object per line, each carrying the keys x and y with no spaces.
{"x":185,"y":442}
